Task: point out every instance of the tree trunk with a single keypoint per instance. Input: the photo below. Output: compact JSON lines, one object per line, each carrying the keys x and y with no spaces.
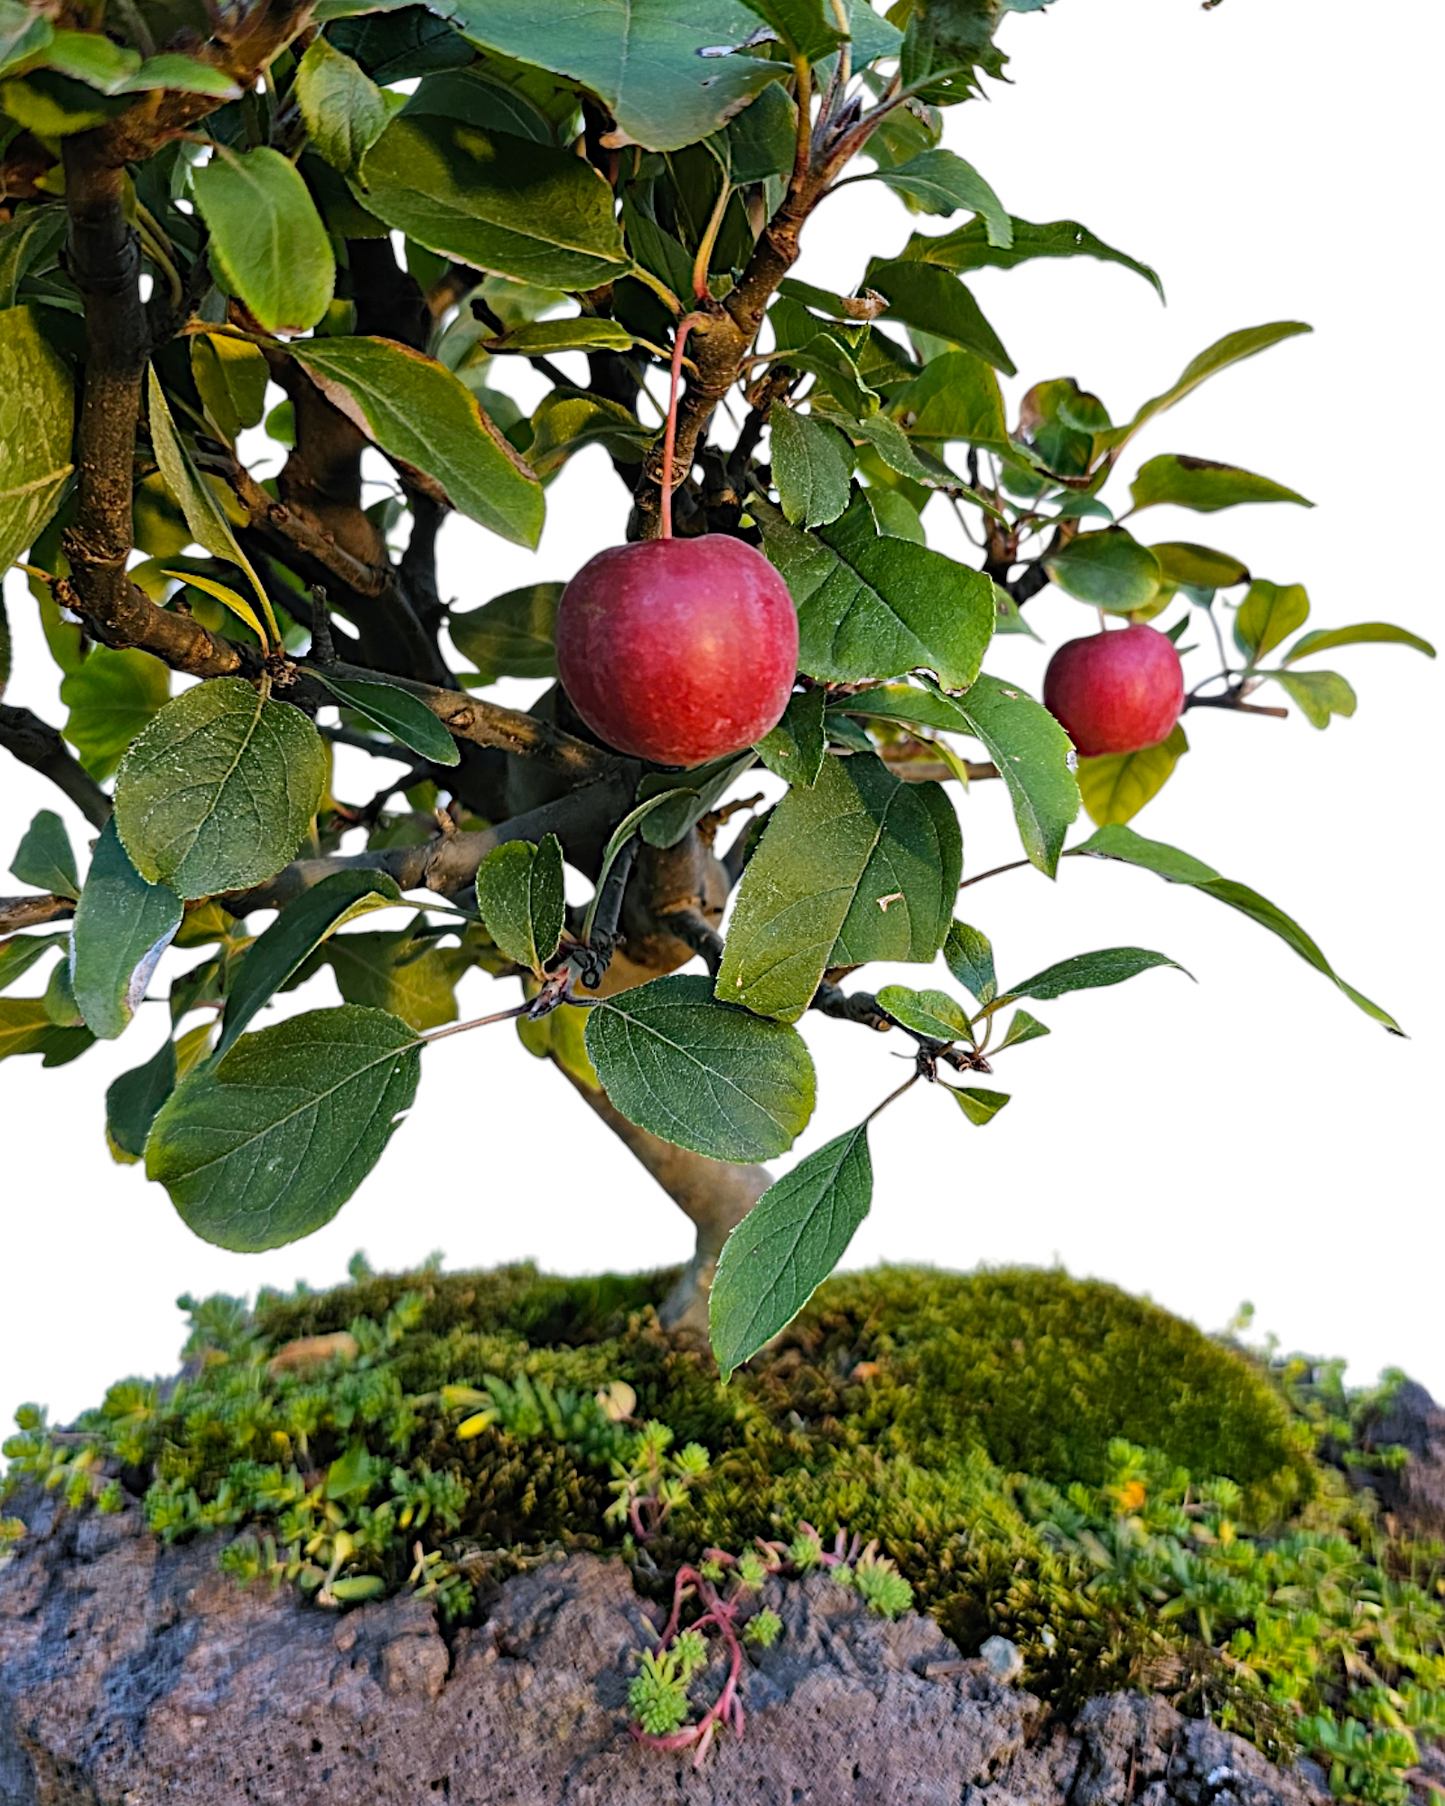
{"x":713,"y":1194}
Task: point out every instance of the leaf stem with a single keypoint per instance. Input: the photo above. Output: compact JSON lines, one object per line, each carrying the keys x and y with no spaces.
{"x":803,"y":155}
{"x":891,"y":1098}
{"x":460,"y":1028}
{"x":993,"y":872}
{"x":658,"y":287}
{"x":701,"y":262}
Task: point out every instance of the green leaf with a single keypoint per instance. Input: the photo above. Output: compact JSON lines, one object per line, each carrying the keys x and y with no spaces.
{"x":1206,"y":487}
{"x":26,"y":1027}
{"x":968,"y":954}
{"x":495,"y":201}
{"x":297,"y":931}
{"x":227,"y":597}
{"x":30,"y":239}
{"x":786,"y":1246}
{"x":566,"y":422}
{"x":476,"y":96}
{"x":540,"y":338}
{"x":1366,"y":633}
{"x":20,"y":952}
{"x":972,"y":248}
{"x":1269,"y":613}
{"x":941,"y":182}
{"x":1087,"y":971}
{"x":822,"y":356}
{"x":860,"y":867}
{"x":699,"y":1073}
{"x":122,"y":927}
{"x":1183,"y":868}
{"x":1231,"y":349}
{"x":956,"y":397}
{"x":1033,"y":754}
{"x":895,"y":516}
{"x":1199,"y":566}
{"x":1319,"y":694}
{"x":265,"y":1146}
{"x":24,"y":33}
{"x":794,"y":749}
{"x":44,"y":857}
{"x":931,"y":1013}
{"x":520,"y":896}
{"x":404,"y":716}
{"x":760,"y":142}
{"x":37,"y":417}
{"x":218,"y":790}
{"x":1109,"y":569}
{"x":801,"y":26}
{"x":694,"y":793}
{"x":182,"y":75}
{"x":393,"y":972}
{"x":393,"y":46}
{"x":932,"y":299}
{"x":132,"y":1100}
{"x":422,"y":415}
{"x":60,"y":1004}
{"x":812,"y":463}
{"x":230,"y":376}
{"x":89,"y":57}
{"x":978,"y":1105}
{"x":512,"y":635}
{"x":1116,"y":786}
{"x":344,"y":110}
{"x":1034,"y":757}
{"x":53,"y":106}
{"x":641,"y":57}
{"x":204,"y":515}
{"x":111,"y":697}
{"x":267,"y":239}
{"x":873,"y":606}
{"x":1022,"y":1027}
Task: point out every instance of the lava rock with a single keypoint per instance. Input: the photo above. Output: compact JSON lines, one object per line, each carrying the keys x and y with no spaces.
{"x":131,"y":1672}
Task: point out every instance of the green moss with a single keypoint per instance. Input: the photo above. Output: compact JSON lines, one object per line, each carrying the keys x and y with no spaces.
{"x":1129,"y":1501}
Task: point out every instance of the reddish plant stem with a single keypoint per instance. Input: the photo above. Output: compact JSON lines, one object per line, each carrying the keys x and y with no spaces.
{"x":669,"y":438}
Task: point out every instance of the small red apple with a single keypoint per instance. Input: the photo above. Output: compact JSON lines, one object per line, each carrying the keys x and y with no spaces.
{"x":678,"y":650}
{"x":1116,"y":692}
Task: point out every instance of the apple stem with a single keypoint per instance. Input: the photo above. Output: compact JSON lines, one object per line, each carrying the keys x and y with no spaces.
{"x":1103,"y":620}
{"x":669,"y":437}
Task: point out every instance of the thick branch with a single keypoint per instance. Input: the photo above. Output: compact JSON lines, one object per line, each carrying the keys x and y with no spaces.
{"x":1234,"y":699}
{"x":104,"y":258}
{"x":720,"y":341}
{"x":31,"y":912}
{"x":36,"y":744}
{"x":448,"y":864}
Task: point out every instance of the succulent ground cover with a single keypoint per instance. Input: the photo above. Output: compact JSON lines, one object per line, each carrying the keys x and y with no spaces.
{"x":1022,"y":1454}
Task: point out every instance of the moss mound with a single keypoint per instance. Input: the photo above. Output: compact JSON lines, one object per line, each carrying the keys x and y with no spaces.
{"x":1047,"y":1458}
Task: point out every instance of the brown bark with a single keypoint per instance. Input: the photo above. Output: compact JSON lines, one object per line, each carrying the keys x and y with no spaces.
{"x":39,"y":745}
{"x":33,"y":912}
{"x":713,"y":1195}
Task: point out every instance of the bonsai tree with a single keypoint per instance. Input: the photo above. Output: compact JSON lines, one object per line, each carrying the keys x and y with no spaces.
{"x":374,"y":208}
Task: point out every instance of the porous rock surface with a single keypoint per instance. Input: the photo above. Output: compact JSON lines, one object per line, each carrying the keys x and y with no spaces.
{"x":132,"y":1675}
{"x":1415,"y":1493}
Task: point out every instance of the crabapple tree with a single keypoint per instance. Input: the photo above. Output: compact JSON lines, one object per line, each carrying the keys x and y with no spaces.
{"x":331,"y":228}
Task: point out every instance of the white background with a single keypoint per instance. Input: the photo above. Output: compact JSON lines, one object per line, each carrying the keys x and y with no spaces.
{"x":1248,"y":1136}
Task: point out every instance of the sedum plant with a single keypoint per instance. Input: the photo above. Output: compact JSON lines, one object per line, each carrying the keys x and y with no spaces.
{"x":325,"y":234}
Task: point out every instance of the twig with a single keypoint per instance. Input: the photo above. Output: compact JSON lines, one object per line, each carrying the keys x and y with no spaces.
{"x":31,"y":912}
{"x":36,"y":744}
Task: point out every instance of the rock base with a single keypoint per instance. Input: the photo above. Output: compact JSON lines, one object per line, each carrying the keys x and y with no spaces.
{"x":132,"y":1675}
